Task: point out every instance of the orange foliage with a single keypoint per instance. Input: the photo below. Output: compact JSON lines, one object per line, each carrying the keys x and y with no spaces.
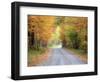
{"x":41,"y":26}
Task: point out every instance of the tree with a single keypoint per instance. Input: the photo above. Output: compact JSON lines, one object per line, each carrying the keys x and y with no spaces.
{"x":74,"y":32}
{"x":40,"y":29}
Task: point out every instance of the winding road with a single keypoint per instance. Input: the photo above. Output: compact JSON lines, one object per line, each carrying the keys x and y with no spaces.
{"x":60,"y":56}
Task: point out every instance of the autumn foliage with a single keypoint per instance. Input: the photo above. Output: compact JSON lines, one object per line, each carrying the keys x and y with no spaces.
{"x":48,"y":32}
{"x":39,"y":30}
{"x":73,"y":31}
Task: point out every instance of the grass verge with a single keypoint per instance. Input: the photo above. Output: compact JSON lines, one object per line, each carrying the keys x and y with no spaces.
{"x":36,"y":57}
{"x":79,"y":53}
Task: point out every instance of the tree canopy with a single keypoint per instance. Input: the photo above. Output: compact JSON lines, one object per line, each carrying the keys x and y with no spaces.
{"x":71,"y":31}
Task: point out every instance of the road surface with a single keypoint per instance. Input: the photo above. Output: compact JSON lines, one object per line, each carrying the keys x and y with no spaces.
{"x":59,"y":56}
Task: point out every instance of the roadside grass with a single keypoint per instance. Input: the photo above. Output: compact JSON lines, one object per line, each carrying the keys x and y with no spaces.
{"x":36,"y":52}
{"x":36,"y":56}
{"x":32,"y":53}
{"x":79,"y":53}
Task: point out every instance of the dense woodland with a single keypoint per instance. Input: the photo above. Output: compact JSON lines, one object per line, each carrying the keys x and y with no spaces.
{"x":45,"y":31}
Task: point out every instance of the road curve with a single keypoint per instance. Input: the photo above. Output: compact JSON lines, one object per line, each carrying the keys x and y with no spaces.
{"x":60,"y":56}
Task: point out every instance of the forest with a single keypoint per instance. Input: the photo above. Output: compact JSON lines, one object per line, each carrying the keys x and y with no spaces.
{"x":48,"y":32}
